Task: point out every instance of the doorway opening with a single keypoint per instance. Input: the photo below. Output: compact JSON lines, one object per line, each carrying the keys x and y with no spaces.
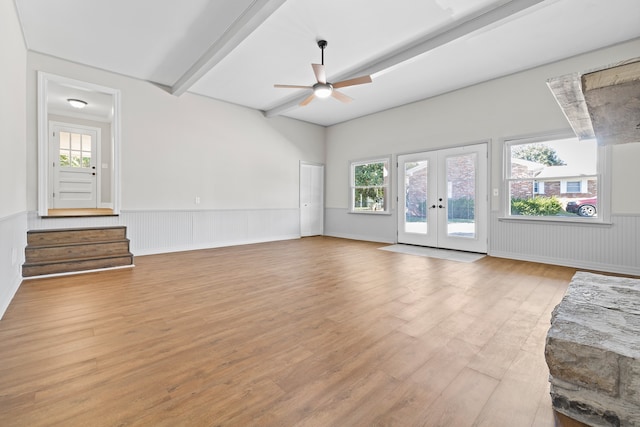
{"x":78,"y":148}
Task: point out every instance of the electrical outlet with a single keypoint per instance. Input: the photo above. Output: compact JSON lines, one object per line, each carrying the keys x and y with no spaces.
{"x":495,"y":192}
{"x":197,"y":200}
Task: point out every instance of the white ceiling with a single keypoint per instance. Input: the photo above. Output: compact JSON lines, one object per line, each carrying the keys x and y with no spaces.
{"x":99,"y":105}
{"x":236,"y":50}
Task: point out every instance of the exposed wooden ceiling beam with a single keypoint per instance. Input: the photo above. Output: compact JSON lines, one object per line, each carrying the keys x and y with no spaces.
{"x":568,"y":93}
{"x":243,"y":26}
{"x":612,"y":98}
{"x":602,"y":103}
{"x":474,"y":22}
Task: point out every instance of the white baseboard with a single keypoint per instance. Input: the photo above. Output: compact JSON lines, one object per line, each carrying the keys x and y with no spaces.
{"x":592,"y":266}
{"x":359,"y":237}
{"x":185,"y":248}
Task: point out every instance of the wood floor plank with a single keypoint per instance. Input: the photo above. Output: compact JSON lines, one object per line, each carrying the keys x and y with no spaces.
{"x":311,"y":332}
{"x":495,"y":358}
{"x":519,"y":390}
{"x":461,"y":402}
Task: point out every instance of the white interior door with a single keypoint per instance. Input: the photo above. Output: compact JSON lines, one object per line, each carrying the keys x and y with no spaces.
{"x":311,"y":199}
{"x":442,"y":198}
{"x":73,"y":159}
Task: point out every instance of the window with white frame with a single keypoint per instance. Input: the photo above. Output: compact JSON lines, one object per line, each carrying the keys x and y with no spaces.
{"x":370,"y":186}
{"x":574,"y":186}
{"x":554,"y":178}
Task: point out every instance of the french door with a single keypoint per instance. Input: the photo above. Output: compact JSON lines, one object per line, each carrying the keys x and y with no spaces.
{"x":442,"y":198}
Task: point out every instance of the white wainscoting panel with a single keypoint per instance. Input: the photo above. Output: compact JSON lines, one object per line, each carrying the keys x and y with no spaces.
{"x":369,"y":227}
{"x":611,"y":248}
{"x":13,"y":239}
{"x":152,"y":232}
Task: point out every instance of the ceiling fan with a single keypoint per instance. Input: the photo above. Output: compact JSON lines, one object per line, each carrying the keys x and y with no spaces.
{"x":324,"y":89}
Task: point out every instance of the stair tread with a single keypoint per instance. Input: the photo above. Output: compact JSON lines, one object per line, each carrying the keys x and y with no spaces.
{"x":75,"y":235}
{"x":76,"y":260}
{"x":60,"y":245}
{"x":54,"y":230}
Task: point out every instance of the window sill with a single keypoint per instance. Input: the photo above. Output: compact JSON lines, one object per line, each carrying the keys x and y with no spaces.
{"x":370,"y":212}
{"x":556,"y":221}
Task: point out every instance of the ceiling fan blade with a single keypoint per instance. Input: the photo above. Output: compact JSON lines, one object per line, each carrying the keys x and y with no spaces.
{"x":307,"y":100}
{"x":341,"y":96}
{"x":293,"y":86}
{"x":318,"y":70}
{"x":352,"y":82}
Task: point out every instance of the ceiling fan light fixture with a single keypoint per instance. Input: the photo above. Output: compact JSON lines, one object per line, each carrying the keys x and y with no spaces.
{"x":77,"y":103}
{"x":322,"y":90}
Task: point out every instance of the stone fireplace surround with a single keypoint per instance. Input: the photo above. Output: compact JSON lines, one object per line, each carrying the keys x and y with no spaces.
{"x":593,"y":351}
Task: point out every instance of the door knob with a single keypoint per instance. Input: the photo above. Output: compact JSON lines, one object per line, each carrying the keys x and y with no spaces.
{"x":433,"y":206}
{"x":440,"y":206}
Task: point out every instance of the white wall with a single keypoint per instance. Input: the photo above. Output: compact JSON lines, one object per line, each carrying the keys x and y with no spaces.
{"x":243,"y":166}
{"x":515,"y":105}
{"x":13,"y":204}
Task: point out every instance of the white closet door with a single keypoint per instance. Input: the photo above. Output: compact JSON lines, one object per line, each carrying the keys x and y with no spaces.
{"x":311,"y":199}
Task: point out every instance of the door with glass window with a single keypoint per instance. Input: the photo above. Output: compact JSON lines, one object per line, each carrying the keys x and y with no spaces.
{"x":442,"y":198}
{"x":73,"y":153}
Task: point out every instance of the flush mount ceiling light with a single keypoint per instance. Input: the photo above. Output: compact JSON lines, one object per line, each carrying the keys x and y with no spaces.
{"x":324,"y":89}
{"x":77,"y":103}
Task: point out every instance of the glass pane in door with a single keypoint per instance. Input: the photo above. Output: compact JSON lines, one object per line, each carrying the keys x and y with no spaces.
{"x":416,"y":200}
{"x":65,"y":147}
{"x":86,"y":151}
{"x":461,"y":195}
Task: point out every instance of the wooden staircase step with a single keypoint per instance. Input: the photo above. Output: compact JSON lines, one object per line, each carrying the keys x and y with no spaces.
{"x":74,"y":265}
{"x":75,"y":235}
{"x":75,"y":250}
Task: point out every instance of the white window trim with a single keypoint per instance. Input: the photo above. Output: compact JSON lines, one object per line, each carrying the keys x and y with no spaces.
{"x":387,"y":201}
{"x":603,"y":176}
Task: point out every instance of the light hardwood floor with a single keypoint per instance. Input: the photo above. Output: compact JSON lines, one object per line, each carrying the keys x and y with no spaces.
{"x":311,"y":332}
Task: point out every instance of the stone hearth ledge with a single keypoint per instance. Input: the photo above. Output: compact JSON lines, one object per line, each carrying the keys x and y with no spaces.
{"x":593,"y":351}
